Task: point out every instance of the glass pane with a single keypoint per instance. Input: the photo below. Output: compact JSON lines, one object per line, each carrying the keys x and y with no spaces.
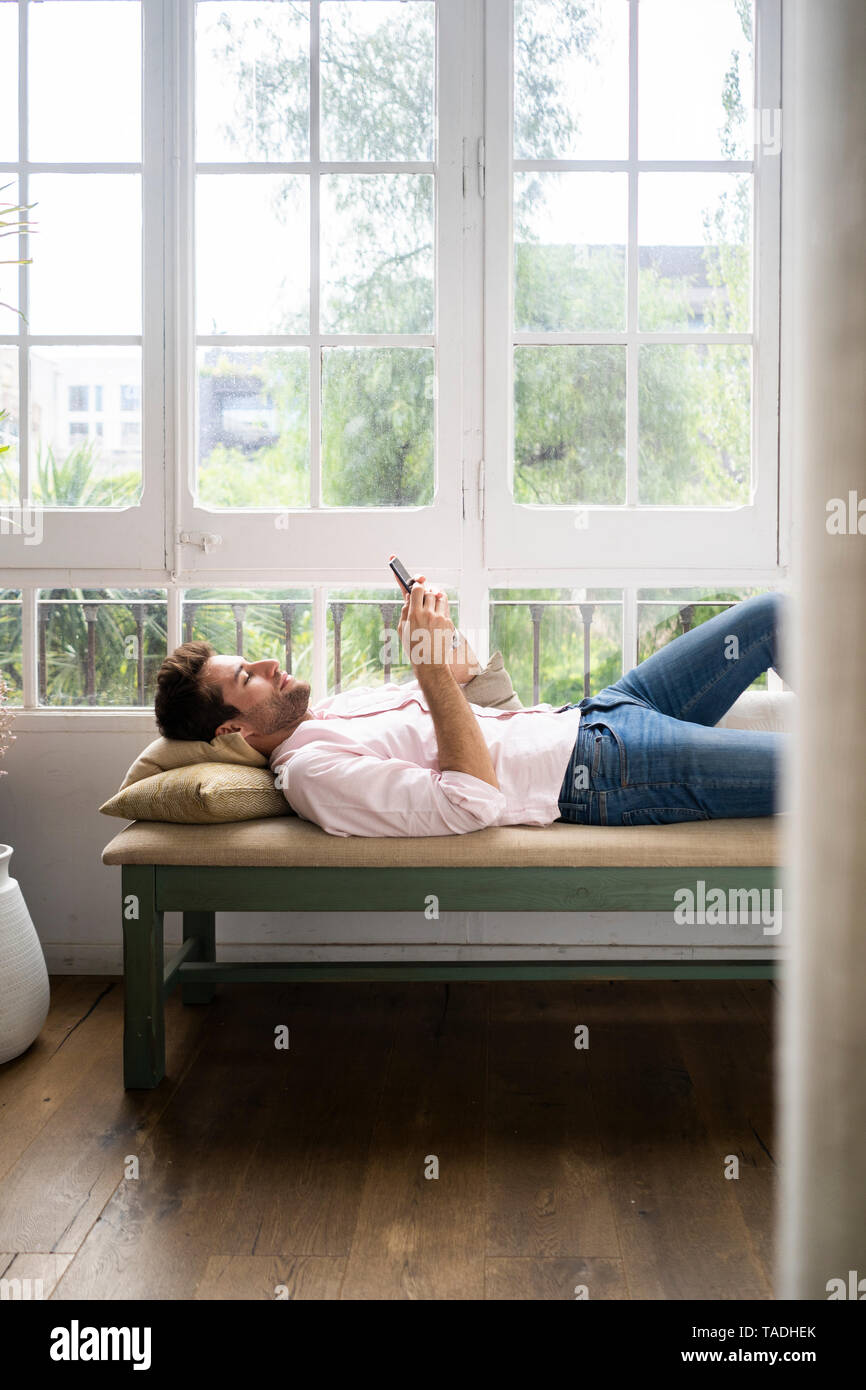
{"x":569,"y":424}
{"x":695,"y":235}
{"x":252,"y":80}
{"x":85,"y":442}
{"x":570,"y":79}
{"x":85,"y":80}
{"x":253,"y":245}
{"x":696,"y":79}
{"x":9,"y":425}
{"x":100,"y":646}
{"x":694,"y":407}
{"x":253,"y":427}
{"x":259,"y":624}
{"x":665,"y":614}
{"x":10,"y":250}
{"x":542,"y":635}
{"x":10,"y":653}
{"x":86,"y":271}
{"x":377,"y":427}
{"x":377,"y":253}
{"x":378,"y":63}
{"x":570,"y":233}
{"x":8,"y":83}
{"x":362,"y":641}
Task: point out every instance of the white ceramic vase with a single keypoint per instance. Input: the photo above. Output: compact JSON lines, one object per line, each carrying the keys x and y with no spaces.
{"x":24,"y":992}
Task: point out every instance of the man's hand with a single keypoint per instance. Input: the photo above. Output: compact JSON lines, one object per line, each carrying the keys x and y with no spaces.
{"x":425,"y":626}
{"x":428,"y":634}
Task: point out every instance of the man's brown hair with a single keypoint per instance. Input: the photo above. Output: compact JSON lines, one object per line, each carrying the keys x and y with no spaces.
{"x":186,"y":705}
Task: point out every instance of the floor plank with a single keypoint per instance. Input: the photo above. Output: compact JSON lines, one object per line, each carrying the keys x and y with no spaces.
{"x":299,"y":1173}
{"x":417,"y":1234}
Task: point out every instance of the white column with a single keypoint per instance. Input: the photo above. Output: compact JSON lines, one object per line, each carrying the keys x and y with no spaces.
{"x":823,"y":1037}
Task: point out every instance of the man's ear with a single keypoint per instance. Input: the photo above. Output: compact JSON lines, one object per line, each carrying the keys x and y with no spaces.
{"x":232,"y":726}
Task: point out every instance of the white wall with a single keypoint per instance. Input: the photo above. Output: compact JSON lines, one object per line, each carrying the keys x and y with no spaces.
{"x":62,"y":767}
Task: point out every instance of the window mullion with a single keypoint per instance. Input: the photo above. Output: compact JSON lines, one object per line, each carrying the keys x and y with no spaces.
{"x":315,"y":297}
{"x":632,"y":265}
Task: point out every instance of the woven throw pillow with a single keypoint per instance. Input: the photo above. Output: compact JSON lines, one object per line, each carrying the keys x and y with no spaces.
{"x":166,"y":753}
{"x":202,"y":794}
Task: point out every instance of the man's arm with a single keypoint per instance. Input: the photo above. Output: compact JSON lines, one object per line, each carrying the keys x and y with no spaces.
{"x":461,"y":743}
{"x":428,"y":629}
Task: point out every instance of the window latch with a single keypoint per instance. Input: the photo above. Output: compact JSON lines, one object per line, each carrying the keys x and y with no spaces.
{"x":202,"y":540}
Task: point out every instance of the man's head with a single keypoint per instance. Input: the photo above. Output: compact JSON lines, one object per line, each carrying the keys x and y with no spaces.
{"x":201,"y":694}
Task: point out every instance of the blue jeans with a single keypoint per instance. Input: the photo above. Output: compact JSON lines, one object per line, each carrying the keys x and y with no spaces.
{"x":647,"y":752}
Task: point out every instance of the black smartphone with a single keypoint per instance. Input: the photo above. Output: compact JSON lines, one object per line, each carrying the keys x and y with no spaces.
{"x":403,"y":577}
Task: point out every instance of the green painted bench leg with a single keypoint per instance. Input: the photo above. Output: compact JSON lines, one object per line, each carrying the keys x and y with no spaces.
{"x":201,"y":925}
{"x":144,"y":1016}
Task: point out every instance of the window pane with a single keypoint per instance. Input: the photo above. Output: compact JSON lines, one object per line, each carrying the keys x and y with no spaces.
{"x":569,"y":424}
{"x":10,"y":250}
{"x":570,"y":79}
{"x":695,"y":252}
{"x":85,"y":80}
{"x":570,"y":234}
{"x":664,"y":614}
{"x":82,"y":457}
{"x":696,"y":79}
{"x":8,"y":425}
{"x":259,"y":624}
{"x":377,"y":253}
{"x":377,"y":427}
{"x":10,"y":650}
{"x":253,"y":239}
{"x":8,"y":83}
{"x":542,"y":634}
{"x":363,"y":645}
{"x":694,"y":432}
{"x":86,"y":272}
{"x":253,"y":427}
{"x":377,"y":79}
{"x":100,"y":646}
{"x":252,"y":81}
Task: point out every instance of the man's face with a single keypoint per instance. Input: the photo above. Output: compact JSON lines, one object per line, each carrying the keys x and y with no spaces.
{"x":267,"y":699}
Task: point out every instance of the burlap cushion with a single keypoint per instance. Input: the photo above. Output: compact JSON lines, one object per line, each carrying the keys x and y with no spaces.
{"x":166,"y":753}
{"x":201,"y":794}
{"x":492,"y":687}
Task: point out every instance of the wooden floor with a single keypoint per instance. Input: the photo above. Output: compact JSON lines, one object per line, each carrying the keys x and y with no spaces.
{"x":303,"y":1170}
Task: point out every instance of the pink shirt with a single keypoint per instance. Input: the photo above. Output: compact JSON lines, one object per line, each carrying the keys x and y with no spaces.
{"x":367,"y":764}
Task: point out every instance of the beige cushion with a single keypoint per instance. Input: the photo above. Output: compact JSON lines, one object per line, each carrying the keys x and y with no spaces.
{"x":492,"y":687}
{"x":203,"y":794}
{"x":166,"y":753}
{"x":293,"y":842}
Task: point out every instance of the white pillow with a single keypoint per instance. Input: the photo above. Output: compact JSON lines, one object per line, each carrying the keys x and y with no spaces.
{"x":769,"y":711}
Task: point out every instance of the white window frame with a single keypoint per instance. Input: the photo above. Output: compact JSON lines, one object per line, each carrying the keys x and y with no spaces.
{"x":289,"y":544}
{"x":473,"y":543}
{"x":630,"y":540}
{"x":133,"y":536}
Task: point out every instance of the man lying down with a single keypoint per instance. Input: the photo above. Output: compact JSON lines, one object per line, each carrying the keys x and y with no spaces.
{"x":420,"y":759}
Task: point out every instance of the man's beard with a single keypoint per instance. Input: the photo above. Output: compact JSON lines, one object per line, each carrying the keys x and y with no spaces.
{"x":280,"y":710}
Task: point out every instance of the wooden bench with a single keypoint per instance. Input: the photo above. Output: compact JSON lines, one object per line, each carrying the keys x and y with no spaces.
{"x":285,"y":864}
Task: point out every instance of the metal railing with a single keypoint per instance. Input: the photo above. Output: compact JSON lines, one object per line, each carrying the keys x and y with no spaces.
{"x":291,"y":610}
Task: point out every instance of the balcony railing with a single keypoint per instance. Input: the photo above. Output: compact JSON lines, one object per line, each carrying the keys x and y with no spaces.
{"x":293,"y":612}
